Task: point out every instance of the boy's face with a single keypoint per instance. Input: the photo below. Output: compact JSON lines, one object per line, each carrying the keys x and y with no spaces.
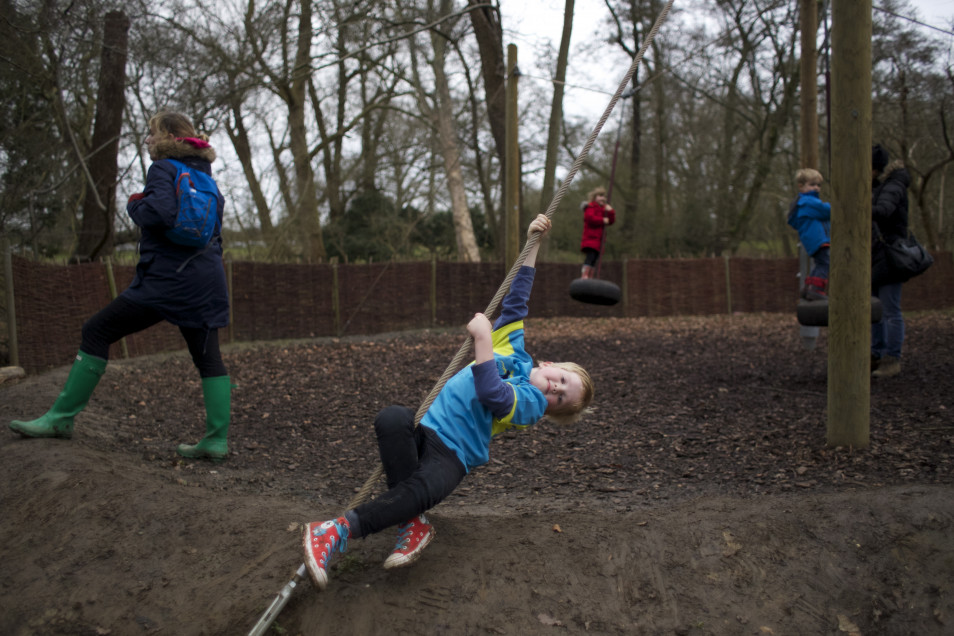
{"x":811,"y":186}
{"x":561,"y":387}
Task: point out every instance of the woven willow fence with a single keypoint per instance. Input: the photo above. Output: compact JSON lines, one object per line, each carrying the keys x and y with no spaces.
{"x":282,"y":301}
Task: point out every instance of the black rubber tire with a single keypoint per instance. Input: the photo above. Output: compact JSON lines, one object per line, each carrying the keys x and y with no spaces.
{"x":814,"y":313}
{"x":595,"y":291}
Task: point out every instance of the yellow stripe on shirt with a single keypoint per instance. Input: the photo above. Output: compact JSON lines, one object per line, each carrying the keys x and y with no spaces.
{"x":501,"y":338}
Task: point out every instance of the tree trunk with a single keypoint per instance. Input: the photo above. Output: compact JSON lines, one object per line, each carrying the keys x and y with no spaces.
{"x":556,"y":108}
{"x":306,"y":204}
{"x":447,"y":132}
{"x":99,"y":210}
{"x":240,"y":142}
{"x":486,"y":190}
{"x":489,"y":34}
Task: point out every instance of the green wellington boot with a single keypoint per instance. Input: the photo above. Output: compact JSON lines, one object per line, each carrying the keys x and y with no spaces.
{"x":58,"y":421}
{"x":217,"y":393}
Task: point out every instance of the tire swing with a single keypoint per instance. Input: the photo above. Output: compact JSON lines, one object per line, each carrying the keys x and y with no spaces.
{"x":814,"y":313}
{"x":595,"y":291}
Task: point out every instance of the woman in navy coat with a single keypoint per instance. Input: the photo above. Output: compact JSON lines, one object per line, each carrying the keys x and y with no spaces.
{"x":183,"y":285}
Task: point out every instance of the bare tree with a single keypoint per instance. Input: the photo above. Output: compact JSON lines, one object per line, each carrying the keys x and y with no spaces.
{"x":493,"y":66}
{"x":438,"y":105}
{"x":556,"y":106}
{"x":913,"y":94}
{"x":99,"y":208}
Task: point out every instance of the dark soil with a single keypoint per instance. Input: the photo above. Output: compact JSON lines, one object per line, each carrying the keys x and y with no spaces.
{"x":699,"y":496}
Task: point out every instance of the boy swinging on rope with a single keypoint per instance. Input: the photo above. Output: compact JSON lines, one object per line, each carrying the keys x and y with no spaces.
{"x":423,"y":464}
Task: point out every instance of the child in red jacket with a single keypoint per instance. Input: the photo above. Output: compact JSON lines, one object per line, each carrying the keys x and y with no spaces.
{"x":596,"y":216}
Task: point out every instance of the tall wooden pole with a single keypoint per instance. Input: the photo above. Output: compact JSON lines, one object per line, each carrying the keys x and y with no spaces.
{"x":849,"y":306}
{"x":11,"y":302}
{"x":512,"y":170}
{"x":808,"y":25}
{"x":808,"y":19}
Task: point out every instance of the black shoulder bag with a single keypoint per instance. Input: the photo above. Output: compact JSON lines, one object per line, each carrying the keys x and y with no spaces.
{"x":906,"y":257}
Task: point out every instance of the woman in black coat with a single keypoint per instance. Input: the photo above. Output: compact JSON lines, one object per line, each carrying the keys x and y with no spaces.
{"x":889,"y":216}
{"x":181,"y":284}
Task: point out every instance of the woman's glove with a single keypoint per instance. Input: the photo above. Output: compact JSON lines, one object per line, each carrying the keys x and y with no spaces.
{"x":136,"y":196}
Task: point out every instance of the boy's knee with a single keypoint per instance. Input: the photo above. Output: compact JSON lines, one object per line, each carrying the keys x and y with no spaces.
{"x":392,"y":418}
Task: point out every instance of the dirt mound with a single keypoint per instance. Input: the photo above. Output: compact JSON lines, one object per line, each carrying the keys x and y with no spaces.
{"x":697,"y":498}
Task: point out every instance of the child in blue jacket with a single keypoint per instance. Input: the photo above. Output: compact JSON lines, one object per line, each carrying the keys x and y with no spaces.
{"x":812,"y":218}
{"x":423,"y":464}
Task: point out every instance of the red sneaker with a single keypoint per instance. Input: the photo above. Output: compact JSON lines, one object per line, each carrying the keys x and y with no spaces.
{"x":320,"y":541}
{"x":816,"y":288}
{"x":413,"y":537}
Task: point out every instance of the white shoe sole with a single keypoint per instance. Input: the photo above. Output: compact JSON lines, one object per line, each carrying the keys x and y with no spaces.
{"x":318,"y":575}
{"x":399,"y":559}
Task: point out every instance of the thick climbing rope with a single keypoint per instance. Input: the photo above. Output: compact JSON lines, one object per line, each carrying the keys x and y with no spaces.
{"x":464,"y":353}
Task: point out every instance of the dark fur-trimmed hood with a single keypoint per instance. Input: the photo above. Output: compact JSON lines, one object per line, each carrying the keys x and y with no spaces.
{"x":895,"y":170}
{"x":175,"y":149}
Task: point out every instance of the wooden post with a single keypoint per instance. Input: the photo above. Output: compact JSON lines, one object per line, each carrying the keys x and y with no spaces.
{"x":11,"y":309}
{"x":808,"y":19}
{"x":808,"y":25}
{"x":336,"y":297}
{"x":512,"y":170}
{"x":849,"y":307}
{"x":433,"y":290}
{"x":728,"y":284}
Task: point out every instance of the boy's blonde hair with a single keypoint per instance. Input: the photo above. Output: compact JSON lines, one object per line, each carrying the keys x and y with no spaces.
{"x":807,"y":175}
{"x":570,"y":413}
{"x":595,"y":192}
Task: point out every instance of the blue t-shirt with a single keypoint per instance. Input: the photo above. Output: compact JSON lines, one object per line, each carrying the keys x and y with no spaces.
{"x":480,"y":401}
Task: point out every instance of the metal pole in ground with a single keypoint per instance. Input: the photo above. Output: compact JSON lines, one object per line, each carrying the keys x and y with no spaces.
{"x":276,"y":607}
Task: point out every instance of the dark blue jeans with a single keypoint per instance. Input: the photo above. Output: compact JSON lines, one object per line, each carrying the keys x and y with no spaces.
{"x":887,"y":336}
{"x":821,"y":260}
{"x":421,"y":471}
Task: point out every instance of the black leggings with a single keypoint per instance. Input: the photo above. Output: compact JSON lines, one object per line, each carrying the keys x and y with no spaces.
{"x":421,"y":471}
{"x":121,"y":318}
{"x":592,"y":256}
